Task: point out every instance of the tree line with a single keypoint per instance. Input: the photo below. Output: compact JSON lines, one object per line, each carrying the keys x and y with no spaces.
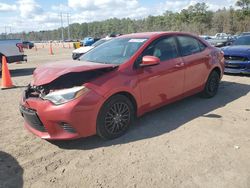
{"x":196,"y":19}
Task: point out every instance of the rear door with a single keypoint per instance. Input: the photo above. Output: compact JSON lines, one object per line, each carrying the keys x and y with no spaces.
{"x":196,"y":57}
{"x":161,"y":83}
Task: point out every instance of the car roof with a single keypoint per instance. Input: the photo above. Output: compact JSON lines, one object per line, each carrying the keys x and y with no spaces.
{"x":154,"y":34}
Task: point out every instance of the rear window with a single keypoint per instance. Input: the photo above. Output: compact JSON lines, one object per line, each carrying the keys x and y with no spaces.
{"x":190,"y":45}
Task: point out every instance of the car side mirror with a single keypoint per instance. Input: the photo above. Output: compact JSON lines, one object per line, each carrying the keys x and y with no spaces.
{"x":149,"y":61}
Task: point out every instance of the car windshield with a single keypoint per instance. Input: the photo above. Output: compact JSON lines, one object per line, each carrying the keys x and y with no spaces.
{"x":115,"y":51}
{"x":99,"y":42}
{"x":242,"y":41}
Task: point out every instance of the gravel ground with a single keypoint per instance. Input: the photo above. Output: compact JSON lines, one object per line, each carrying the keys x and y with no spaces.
{"x":192,"y":143}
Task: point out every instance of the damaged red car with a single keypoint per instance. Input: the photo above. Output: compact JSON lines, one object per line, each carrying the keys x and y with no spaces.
{"x":116,"y":82}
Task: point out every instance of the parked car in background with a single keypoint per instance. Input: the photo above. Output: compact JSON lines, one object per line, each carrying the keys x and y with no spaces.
{"x":88,"y":41}
{"x":221,"y":41}
{"x":237,"y":56}
{"x":205,"y":37}
{"x":234,"y":37}
{"x":118,"y":81}
{"x":82,"y":50}
{"x":28,"y":44}
{"x":220,"y":35}
{"x":12,"y":49}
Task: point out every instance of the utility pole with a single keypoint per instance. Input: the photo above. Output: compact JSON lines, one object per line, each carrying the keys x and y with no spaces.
{"x":68,"y":15}
{"x":62,"y":25}
{"x":63,"y":15}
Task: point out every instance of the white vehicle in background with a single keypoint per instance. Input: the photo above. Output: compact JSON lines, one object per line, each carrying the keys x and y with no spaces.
{"x":82,"y":50}
{"x":221,"y":39}
{"x":220,"y":35}
{"x":205,"y":37}
{"x":12,"y":49}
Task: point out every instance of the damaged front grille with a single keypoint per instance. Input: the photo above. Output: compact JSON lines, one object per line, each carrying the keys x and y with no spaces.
{"x":32,"y":118}
{"x":33,"y":91}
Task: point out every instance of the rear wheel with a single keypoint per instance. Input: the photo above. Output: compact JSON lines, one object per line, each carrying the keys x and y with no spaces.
{"x":115,"y":117}
{"x":212,"y":85}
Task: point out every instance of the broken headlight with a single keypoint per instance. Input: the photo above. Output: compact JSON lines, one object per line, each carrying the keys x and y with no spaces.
{"x":65,"y":95}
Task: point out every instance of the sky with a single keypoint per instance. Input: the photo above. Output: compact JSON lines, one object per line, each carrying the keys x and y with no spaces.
{"x":36,"y":15}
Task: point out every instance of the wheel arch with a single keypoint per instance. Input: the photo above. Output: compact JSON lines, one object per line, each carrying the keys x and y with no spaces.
{"x":129,"y":96}
{"x":100,"y":130}
{"x":207,"y":93}
{"x":218,"y":70}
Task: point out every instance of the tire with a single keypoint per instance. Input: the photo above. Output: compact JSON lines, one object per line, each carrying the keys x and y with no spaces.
{"x":212,"y":85}
{"x":115,"y":117}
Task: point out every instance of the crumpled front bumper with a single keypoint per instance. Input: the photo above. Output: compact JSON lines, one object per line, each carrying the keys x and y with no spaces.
{"x":71,"y":120}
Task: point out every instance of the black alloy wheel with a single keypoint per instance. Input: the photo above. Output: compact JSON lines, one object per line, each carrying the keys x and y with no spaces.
{"x":115,"y":117}
{"x":212,"y":85}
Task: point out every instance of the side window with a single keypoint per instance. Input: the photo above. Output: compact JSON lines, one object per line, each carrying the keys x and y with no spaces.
{"x":190,"y":45}
{"x":164,"y":49}
{"x":202,"y":46}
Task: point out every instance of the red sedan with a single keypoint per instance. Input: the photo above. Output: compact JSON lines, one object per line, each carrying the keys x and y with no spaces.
{"x":118,"y":81}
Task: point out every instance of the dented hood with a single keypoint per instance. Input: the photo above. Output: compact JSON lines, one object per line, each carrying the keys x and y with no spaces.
{"x":47,"y":73}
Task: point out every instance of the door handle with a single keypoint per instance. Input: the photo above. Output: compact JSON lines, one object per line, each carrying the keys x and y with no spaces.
{"x":179,"y":65}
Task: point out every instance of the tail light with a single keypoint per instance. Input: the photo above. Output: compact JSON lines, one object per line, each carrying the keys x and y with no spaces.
{"x":20,"y":47}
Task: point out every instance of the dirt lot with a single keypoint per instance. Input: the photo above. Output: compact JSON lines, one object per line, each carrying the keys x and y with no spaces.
{"x":192,"y":143}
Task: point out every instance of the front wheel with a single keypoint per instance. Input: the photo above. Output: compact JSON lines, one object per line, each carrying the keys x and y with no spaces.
{"x":212,"y":84}
{"x":115,"y":117}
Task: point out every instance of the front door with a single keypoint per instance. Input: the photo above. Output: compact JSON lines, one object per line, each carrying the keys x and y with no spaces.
{"x":161,"y":83}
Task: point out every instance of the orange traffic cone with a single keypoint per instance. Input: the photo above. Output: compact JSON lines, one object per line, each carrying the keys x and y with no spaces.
{"x":51,"y":50}
{"x":6,"y":79}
